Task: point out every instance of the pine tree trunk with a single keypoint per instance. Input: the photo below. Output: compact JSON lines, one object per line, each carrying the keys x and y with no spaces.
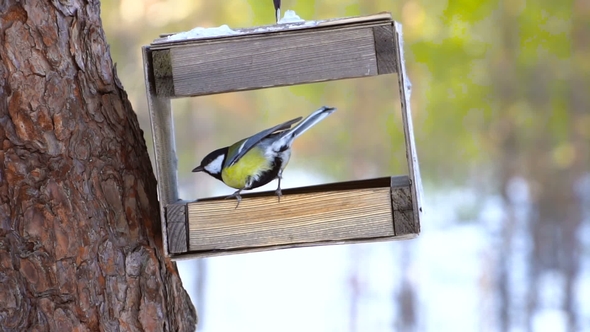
{"x":80,"y":240}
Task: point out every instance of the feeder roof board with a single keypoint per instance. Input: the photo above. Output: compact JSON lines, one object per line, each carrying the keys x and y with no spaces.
{"x":380,"y":209}
{"x":257,"y":58}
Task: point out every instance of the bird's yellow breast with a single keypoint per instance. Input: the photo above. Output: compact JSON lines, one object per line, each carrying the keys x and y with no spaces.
{"x":251,"y":165}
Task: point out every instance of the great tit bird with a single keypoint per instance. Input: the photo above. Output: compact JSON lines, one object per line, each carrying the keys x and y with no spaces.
{"x":259,"y":159}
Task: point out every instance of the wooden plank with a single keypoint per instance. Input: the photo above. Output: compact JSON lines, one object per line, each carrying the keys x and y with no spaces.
{"x":299,"y":218}
{"x":401,"y":204}
{"x":221,"y":252}
{"x":383,"y":16}
{"x":160,"y":112}
{"x":254,"y":63}
{"x":318,"y":214}
{"x":385,"y":50}
{"x":405,"y":89}
{"x":355,"y":21}
{"x":162,"y":68}
{"x":399,"y":181}
{"x":176,"y":220}
{"x":403,"y":221}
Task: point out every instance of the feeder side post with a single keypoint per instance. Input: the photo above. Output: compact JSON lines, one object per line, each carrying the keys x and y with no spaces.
{"x":405,"y":88}
{"x":160,"y":111}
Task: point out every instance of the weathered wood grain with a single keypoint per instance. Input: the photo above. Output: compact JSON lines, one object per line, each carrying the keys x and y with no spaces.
{"x":403,"y":221}
{"x":221,"y":252}
{"x":176,"y":224}
{"x":162,"y":72}
{"x":259,"y":224}
{"x":399,"y":181}
{"x":405,"y":90}
{"x":299,"y":218}
{"x":385,"y":49}
{"x":160,"y":112}
{"x":270,"y":61}
{"x":258,"y":58}
{"x":355,"y":21}
{"x":326,"y":214}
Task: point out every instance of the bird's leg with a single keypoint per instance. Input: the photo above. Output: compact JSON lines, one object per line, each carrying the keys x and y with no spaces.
{"x":278,"y":192}
{"x":237,"y":196}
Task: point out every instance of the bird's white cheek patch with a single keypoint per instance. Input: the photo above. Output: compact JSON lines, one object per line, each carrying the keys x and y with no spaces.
{"x":215,"y":165}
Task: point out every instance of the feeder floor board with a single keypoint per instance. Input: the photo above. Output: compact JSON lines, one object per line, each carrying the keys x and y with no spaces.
{"x":347,"y":212}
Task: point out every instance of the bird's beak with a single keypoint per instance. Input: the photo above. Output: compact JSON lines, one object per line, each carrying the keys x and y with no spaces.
{"x":198,"y":169}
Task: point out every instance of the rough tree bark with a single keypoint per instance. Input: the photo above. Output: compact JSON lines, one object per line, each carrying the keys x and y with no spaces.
{"x":80,"y":245}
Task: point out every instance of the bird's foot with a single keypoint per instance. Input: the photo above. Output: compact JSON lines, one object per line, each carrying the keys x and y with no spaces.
{"x":279,"y":193}
{"x":237,"y":196}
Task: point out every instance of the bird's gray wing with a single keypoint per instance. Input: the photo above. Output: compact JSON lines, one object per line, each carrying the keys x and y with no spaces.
{"x":240,"y":148}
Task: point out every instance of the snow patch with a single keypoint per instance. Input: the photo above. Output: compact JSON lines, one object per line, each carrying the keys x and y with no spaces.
{"x":289,"y":21}
{"x":290,"y":17}
{"x":198,"y":32}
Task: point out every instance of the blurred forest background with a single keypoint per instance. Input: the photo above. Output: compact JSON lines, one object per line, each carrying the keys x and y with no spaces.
{"x":501,"y":109}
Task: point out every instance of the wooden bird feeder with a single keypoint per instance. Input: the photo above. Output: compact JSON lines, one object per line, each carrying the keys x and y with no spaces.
{"x":379,"y":209}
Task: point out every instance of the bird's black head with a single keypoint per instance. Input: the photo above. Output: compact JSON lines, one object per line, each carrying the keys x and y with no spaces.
{"x":212,"y":164}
